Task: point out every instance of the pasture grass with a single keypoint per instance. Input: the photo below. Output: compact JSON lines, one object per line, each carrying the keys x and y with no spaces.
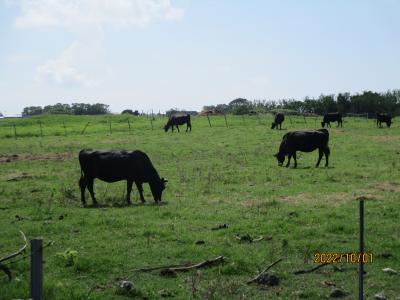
{"x":216,"y":175}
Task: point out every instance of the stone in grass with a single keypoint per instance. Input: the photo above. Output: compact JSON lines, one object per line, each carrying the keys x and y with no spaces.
{"x":338,"y":293}
{"x":380,"y":296}
{"x":268,"y":279}
{"x":125,"y":286}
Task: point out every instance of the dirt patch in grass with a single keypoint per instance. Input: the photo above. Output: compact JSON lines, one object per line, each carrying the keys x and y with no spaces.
{"x":385,"y":138}
{"x":386,"y":187}
{"x":299,"y":198}
{"x":31,"y":157}
{"x":339,"y":197}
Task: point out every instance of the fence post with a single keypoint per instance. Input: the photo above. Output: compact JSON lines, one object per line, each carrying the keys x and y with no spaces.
{"x":84,"y":128}
{"x":109,"y":120}
{"x":129,"y":125}
{"x":361,"y":265}
{"x":36,"y":269}
{"x":259,"y":121}
{"x":290,"y":119}
{"x":243,"y":120}
{"x":15,"y":131}
{"x":208,"y":118}
{"x":41,"y":130}
{"x":65,"y":129}
{"x":305,"y":121}
{"x":226,"y":122}
{"x":151,"y":122}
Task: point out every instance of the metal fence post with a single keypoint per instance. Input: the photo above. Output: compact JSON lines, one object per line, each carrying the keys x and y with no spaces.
{"x":208,"y":118}
{"x":36,"y":269}
{"x":41,"y":130}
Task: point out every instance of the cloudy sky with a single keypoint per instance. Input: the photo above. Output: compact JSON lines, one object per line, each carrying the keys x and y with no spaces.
{"x":159,"y":54}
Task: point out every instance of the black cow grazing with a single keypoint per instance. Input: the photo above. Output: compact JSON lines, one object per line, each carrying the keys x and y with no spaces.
{"x":112,"y":166}
{"x":178,"y":120}
{"x":383,"y":118}
{"x":304,"y":141}
{"x":332,"y":117}
{"x":279,"y":118}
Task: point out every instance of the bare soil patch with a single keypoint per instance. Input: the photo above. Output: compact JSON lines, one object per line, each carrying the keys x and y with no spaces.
{"x":31,"y":157}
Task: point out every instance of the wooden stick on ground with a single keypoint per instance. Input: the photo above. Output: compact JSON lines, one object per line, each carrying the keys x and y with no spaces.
{"x":310,"y":270}
{"x":8,"y":257}
{"x":18,"y":252}
{"x":269,"y":267}
{"x":184,"y":267}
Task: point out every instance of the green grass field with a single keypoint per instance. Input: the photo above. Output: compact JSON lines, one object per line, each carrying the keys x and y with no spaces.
{"x":216,"y":175}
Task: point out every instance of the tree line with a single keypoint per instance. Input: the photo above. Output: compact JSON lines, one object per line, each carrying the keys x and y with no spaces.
{"x":73,"y":109}
{"x":367,"y":102}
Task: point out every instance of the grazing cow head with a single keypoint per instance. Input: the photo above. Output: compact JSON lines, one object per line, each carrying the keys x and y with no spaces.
{"x":166,"y":127}
{"x":157,"y":188}
{"x":273,"y":125}
{"x":280,"y":157}
{"x":323,"y":124}
{"x":388,"y":123}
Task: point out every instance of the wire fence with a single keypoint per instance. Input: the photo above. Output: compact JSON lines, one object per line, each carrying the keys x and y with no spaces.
{"x":109,"y":124}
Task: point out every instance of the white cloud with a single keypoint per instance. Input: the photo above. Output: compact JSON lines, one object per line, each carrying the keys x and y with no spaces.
{"x":73,"y":14}
{"x":76,"y":65}
{"x":81,"y":62}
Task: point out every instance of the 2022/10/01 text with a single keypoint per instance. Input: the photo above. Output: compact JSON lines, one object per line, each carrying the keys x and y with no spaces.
{"x":338,"y":258}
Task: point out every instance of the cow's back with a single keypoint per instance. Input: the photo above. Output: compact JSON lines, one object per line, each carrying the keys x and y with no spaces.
{"x":111,"y":166}
{"x":305,"y":141}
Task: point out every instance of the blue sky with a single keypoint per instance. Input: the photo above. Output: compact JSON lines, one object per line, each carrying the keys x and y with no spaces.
{"x":159,"y":54}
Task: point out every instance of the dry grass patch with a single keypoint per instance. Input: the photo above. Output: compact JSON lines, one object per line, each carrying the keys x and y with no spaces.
{"x":30,"y":157}
{"x":386,"y":187}
{"x":299,"y":198}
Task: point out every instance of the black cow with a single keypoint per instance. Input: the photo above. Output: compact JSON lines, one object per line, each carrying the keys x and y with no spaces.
{"x":112,"y":166}
{"x":305,"y":141}
{"x":332,"y":117}
{"x":178,"y":120}
{"x":279,"y":118}
{"x":383,"y":117}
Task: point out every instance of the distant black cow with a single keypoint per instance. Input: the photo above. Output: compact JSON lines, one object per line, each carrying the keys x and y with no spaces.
{"x":112,"y":166}
{"x":178,"y":120}
{"x":305,"y":141}
{"x":279,"y":118}
{"x":383,"y":118}
{"x":332,"y":117}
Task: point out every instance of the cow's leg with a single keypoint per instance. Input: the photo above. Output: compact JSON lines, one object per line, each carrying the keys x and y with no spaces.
{"x":128,"y":191}
{"x":295,"y":160}
{"x":326,"y":152}
{"x":140,"y":189}
{"x":288,"y":161}
{"x":177,"y":127}
{"x":329,"y":124}
{"x":90,"y":188}
{"x":82,"y":185}
{"x":320,"y":154}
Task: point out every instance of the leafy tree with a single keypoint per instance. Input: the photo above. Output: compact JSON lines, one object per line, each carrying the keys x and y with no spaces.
{"x":32,"y":111}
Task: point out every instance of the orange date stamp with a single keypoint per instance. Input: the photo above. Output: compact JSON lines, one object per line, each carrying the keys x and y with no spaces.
{"x":340,"y":258}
